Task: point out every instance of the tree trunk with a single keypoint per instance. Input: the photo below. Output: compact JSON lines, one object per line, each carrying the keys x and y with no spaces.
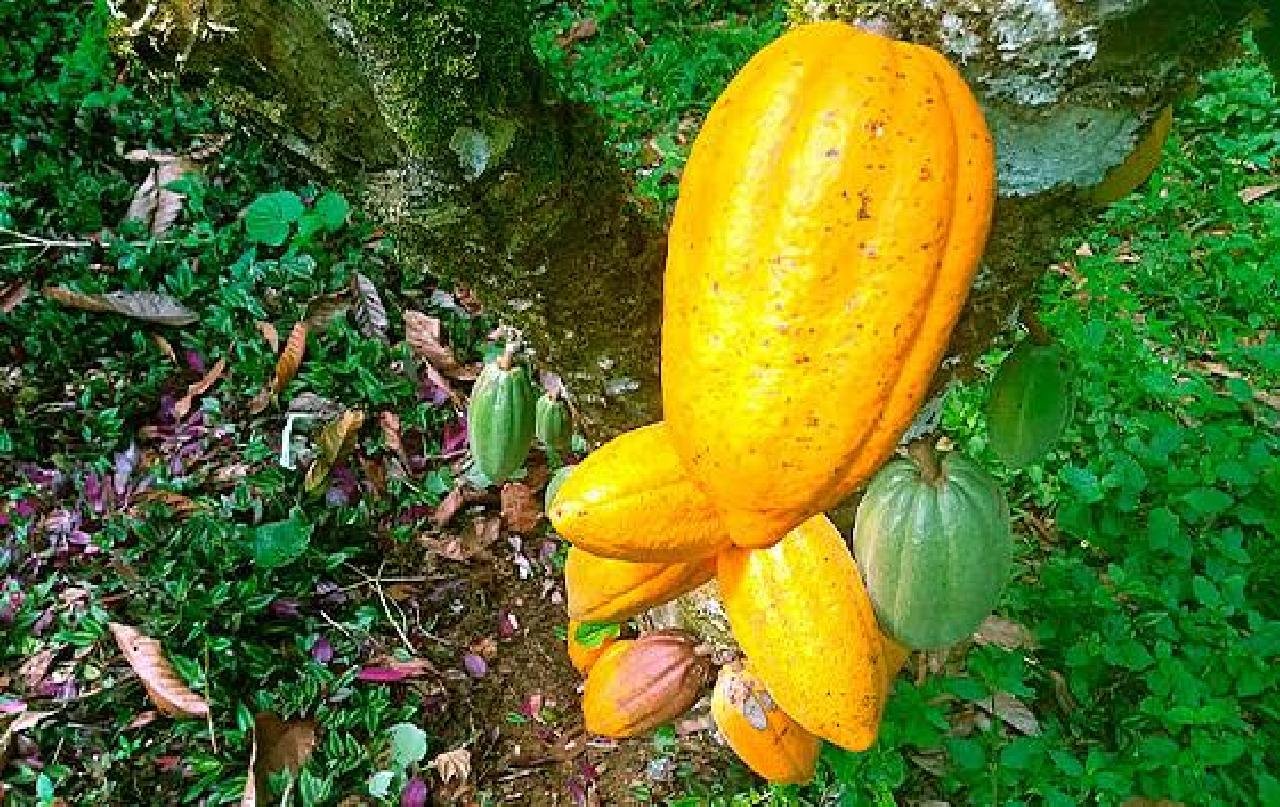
{"x":438,"y":115}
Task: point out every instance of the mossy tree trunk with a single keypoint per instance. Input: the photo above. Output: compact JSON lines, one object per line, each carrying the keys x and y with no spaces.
{"x":438,"y":114}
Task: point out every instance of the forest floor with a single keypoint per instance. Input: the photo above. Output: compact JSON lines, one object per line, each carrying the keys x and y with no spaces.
{"x":265,"y":470}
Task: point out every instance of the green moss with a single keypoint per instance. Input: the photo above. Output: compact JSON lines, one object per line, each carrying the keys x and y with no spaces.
{"x":436,"y":61}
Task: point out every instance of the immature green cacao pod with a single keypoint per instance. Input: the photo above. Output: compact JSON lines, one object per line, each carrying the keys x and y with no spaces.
{"x":500,"y":418}
{"x":1030,"y":403}
{"x":553,"y":487}
{"x":554,"y":425}
{"x":935,"y":545}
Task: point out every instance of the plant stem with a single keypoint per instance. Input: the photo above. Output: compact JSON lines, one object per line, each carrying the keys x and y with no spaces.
{"x":1035,"y":328}
{"x":926,"y":458}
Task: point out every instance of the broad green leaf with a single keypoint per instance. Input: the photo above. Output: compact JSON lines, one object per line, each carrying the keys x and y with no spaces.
{"x":282,"y":542}
{"x":408,"y":745}
{"x":332,"y":208}
{"x":594,"y":634}
{"x":268,"y":218}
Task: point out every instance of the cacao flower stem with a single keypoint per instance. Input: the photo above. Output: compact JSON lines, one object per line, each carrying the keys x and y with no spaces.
{"x":926,"y":458}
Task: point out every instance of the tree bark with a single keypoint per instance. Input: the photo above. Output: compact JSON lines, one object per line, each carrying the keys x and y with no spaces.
{"x":437,"y":114}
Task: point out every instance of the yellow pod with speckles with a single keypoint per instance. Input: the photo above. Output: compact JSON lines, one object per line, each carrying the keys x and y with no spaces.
{"x":831,"y":216}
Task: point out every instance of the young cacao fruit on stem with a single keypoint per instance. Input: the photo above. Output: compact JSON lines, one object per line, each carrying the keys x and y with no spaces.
{"x":553,"y":486}
{"x":631,"y":500}
{"x":1030,"y":403}
{"x":584,"y":655}
{"x":500,"y":418}
{"x":554,"y":425}
{"x":935,"y":545}
{"x":800,"y":613}
{"x":764,"y":737}
{"x":831,"y":216}
{"x":607,"y":590}
{"x":639,"y":684}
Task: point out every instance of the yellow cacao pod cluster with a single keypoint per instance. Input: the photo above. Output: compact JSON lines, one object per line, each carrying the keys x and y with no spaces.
{"x":831,"y":217}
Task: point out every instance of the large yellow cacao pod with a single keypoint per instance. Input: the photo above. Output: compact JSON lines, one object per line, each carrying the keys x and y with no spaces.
{"x":831,"y":216}
{"x":606,"y":590}
{"x":632,"y":500}
{"x":801,"y":614}
{"x":763,"y":736}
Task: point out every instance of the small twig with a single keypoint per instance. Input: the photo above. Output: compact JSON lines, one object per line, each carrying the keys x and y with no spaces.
{"x":208,"y":698}
{"x":28,"y":241}
{"x":1035,"y":328}
{"x":340,"y":627}
{"x":370,"y":581}
{"x":386,"y":609}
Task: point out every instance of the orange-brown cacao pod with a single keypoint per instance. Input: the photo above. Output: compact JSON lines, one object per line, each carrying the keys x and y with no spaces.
{"x":639,"y":684}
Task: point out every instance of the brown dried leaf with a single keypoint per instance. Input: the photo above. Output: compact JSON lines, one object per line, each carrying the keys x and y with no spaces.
{"x":1253,"y":193}
{"x":154,"y":204}
{"x":455,"y":764}
{"x":282,"y":745}
{"x":1011,"y":711}
{"x":390,"y":424}
{"x":165,"y":347}
{"x":580,"y":30}
{"x":1004,"y":633}
{"x":449,"y":507}
{"x":367,"y":308}
{"x":1062,"y":692}
{"x":324,"y":309}
{"x":167,"y":691}
{"x":181,"y":506}
{"x":12,"y":295}
{"x":521,"y":507}
{"x":475,"y":542}
{"x":334,"y":442}
{"x":25,"y":721}
{"x":424,"y":335}
{"x":269,"y":333}
{"x":183,"y":405}
{"x":147,"y":306}
{"x":34,"y":669}
{"x":286,"y":367}
{"x":249,"y":797}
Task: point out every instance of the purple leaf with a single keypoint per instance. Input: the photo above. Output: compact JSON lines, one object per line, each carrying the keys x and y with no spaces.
{"x":195,"y":361}
{"x":322,"y":651}
{"x":381,"y":675}
{"x":93,"y":491}
{"x":43,"y":622}
{"x":9,"y":706}
{"x":507,"y":624}
{"x":455,"y":435}
{"x":284,"y":607}
{"x":432,"y":392}
{"x":25,"y":508}
{"x":126,"y":461}
{"x":475,"y":665}
{"x":330,"y":593}
{"x":415,"y":793}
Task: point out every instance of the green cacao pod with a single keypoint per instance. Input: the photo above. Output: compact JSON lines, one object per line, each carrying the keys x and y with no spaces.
{"x":500,"y":418}
{"x":554,"y":425}
{"x":1030,"y":403}
{"x":934,"y":543}
{"x":553,"y":486}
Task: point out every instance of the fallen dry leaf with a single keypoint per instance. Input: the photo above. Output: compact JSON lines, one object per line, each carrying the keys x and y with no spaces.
{"x":367,"y":308}
{"x":167,"y":691}
{"x":183,"y":405}
{"x":147,"y":306}
{"x":281,"y":745}
{"x":34,"y":669}
{"x":580,"y":30}
{"x":25,"y":721}
{"x":154,"y":204}
{"x":389,"y":422}
{"x":12,"y":295}
{"x":249,"y":797}
{"x":165,"y":347}
{"x":181,"y":506}
{"x":286,"y":367}
{"x":324,"y":309}
{"x":1004,"y":633}
{"x":333,"y":443}
{"x":484,"y":533}
{"x":521,"y":507}
{"x":449,"y":507}
{"x":1012,"y":711}
{"x":450,"y":765}
{"x":1253,"y":193}
{"x":1062,"y":692}
{"x":269,"y":333}
{"x":425,"y":338}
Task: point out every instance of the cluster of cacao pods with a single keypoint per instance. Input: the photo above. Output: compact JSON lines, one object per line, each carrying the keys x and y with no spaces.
{"x":831,"y":217}
{"x":504,"y":419}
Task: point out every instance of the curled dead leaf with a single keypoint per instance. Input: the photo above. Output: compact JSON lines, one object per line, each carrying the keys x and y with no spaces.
{"x":389,"y":422}
{"x":153,"y":203}
{"x":147,"y":659}
{"x":367,"y":308}
{"x":580,"y":30}
{"x":183,"y":405}
{"x":1004,"y":633}
{"x":165,"y":347}
{"x":450,"y":765}
{"x":1253,"y":193}
{"x":333,"y":443}
{"x":269,"y":333}
{"x":324,"y":309}
{"x":425,"y":338}
{"x":286,"y":367}
{"x":1012,"y":711}
{"x":146,"y":306}
{"x":12,"y":294}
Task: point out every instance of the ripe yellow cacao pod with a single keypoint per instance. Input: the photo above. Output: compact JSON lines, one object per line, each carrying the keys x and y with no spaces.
{"x":606,"y":590}
{"x":831,"y":216}
{"x":763,"y":736}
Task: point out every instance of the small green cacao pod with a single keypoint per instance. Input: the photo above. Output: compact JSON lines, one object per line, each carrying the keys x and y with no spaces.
{"x":1030,"y":404}
{"x":500,"y":418}
{"x":553,"y":487}
{"x":555,"y":425}
{"x":935,"y":545}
